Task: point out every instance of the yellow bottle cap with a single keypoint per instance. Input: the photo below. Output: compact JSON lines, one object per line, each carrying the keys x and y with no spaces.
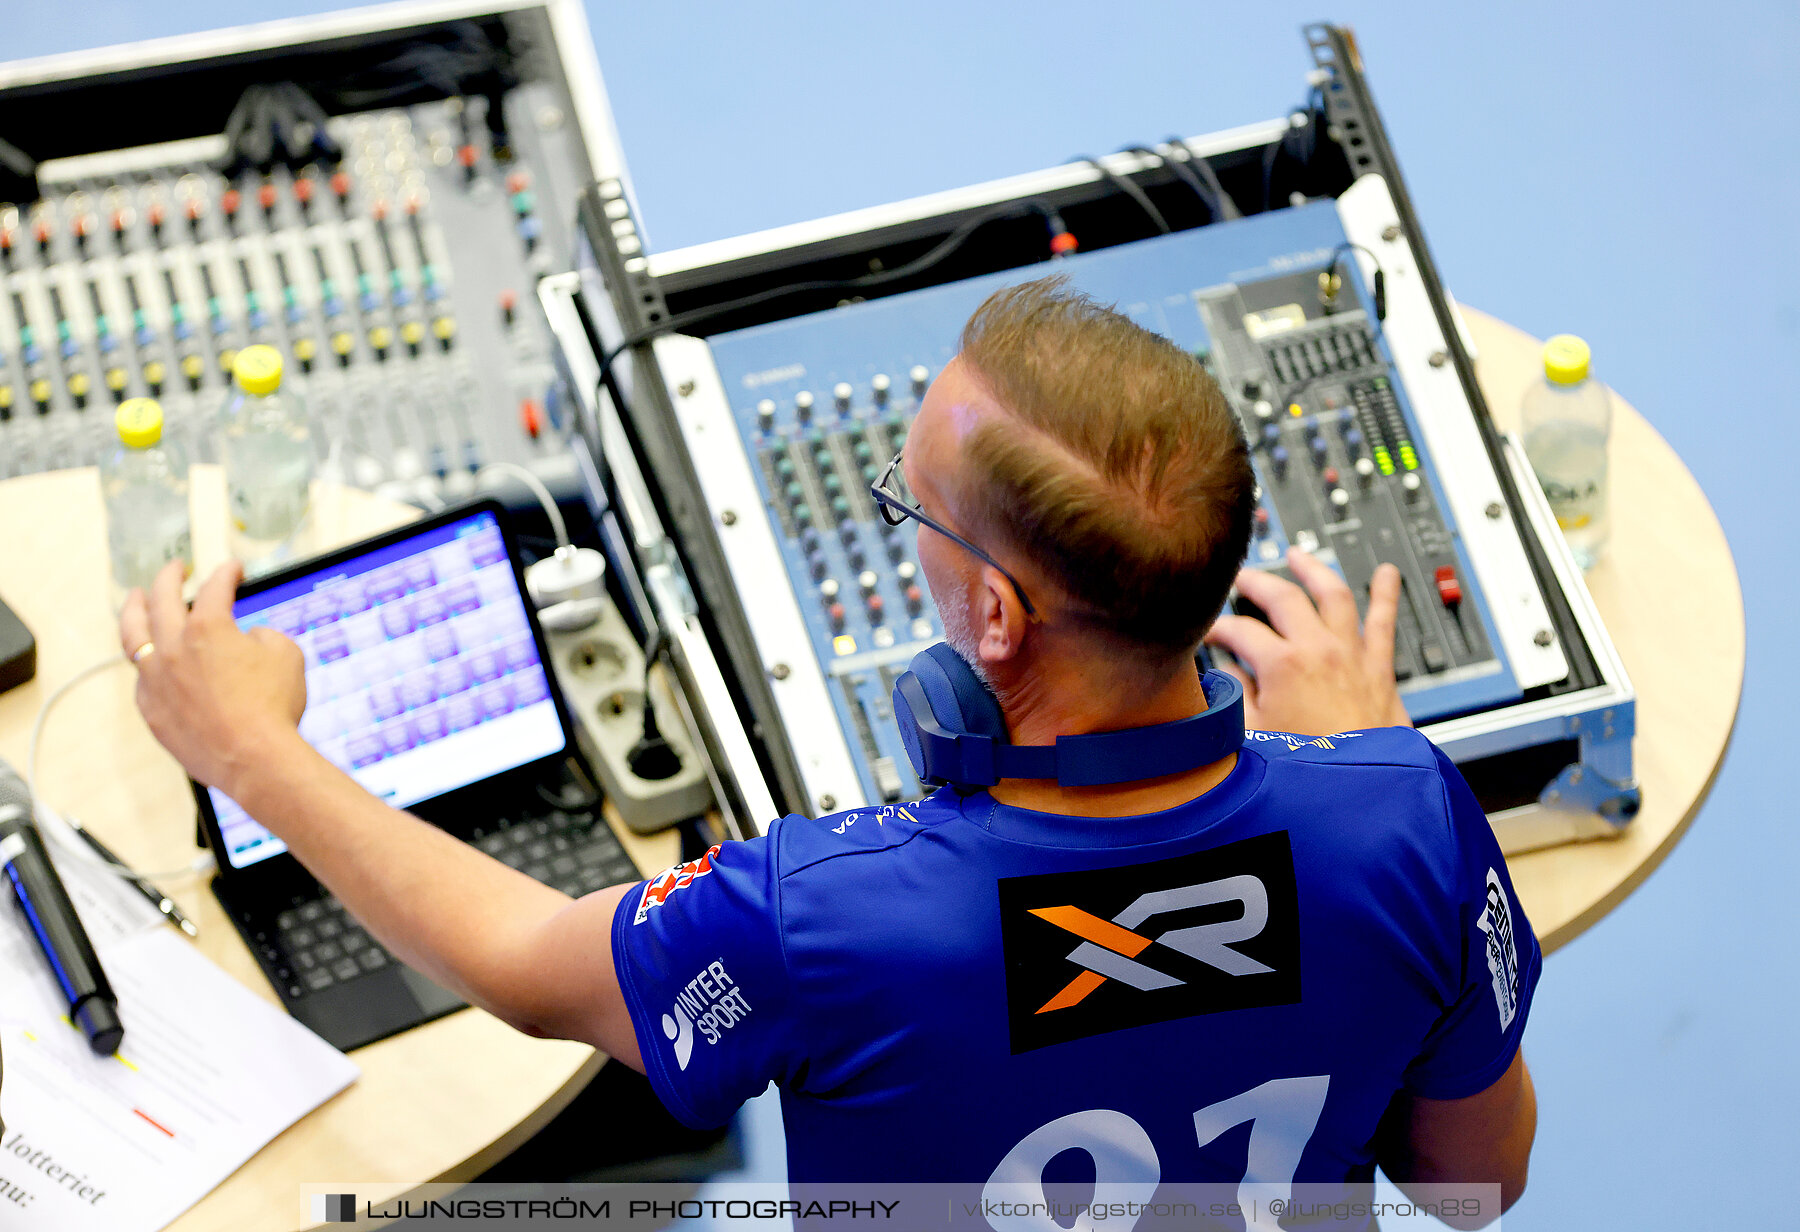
{"x":258,"y":369}
{"x":1566,"y":359}
{"x":139,"y":421}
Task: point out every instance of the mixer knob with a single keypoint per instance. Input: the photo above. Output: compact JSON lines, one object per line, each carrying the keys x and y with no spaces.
{"x":1365,"y":471}
{"x":920,"y":376}
{"x":1259,"y":523}
{"x":1263,"y":409}
{"x":915,"y":599}
{"x":1340,"y":500}
{"x":1278,"y":456}
{"x":765,"y":414}
{"x":803,"y":405}
{"x":876,"y":609}
{"x":895,"y":548}
{"x":1253,"y":390}
{"x":868,"y":580}
{"x":828,"y":590}
{"x":847,"y":532}
{"x":879,"y":385}
{"x":809,"y":539}
{"x":841,"y":394}
{"x":818,"y":563}
{"x":1411,"y":484}
{"x":1320,"y":449}
{"x":1353,"y":440}
{"x":1271,"y":433}
{"x":835,"y":613}
{"x":906,"y":571}
{"x":857,"y":557}
{"x":1330,"y":476}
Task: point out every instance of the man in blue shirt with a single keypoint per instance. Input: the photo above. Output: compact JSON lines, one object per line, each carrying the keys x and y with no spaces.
{"x":1314,"y":936}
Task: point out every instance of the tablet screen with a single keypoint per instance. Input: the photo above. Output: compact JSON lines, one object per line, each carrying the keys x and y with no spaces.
{"x":422,"y":675}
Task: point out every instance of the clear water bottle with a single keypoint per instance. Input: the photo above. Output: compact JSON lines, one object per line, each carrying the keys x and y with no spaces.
{"x":266,"y":446}
{"x":1566,"y":417}
{"x":144,"y":479}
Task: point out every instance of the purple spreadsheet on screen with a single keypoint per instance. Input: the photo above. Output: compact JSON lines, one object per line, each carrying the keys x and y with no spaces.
{"x":407,"y":654}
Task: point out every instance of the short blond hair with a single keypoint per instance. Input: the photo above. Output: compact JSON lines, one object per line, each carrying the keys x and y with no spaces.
{"x":1118,"y":467}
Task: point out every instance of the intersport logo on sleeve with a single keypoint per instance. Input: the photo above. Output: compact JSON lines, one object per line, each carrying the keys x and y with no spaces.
{"x":1103,"y":950}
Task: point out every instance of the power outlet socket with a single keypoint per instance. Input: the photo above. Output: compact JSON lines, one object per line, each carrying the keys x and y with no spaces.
{"x":601,"y":672}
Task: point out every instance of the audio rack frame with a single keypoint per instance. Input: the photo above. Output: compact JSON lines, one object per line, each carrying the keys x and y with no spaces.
{"x":1552,"y":767}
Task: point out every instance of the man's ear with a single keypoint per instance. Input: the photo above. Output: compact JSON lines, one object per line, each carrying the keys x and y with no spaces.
{"x":1003,"y":621}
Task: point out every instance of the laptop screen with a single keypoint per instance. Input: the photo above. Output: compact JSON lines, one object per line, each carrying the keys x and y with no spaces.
{"x":422,"y":675}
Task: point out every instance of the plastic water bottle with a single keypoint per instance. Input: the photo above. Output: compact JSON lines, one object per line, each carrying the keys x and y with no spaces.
{"x":144,"y":479}
{"x":266,"y":446}
{"x":1566,"y":417}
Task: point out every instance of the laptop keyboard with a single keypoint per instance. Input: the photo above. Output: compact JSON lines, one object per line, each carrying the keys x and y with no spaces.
{"x":317,"y":944}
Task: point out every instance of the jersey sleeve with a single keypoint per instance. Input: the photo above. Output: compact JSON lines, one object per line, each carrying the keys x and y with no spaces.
{"x":699,"y":957}
{"x":1474,"y":1040}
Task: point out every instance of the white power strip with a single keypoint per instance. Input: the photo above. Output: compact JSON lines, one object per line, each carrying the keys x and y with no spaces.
{"x":601,"y":672}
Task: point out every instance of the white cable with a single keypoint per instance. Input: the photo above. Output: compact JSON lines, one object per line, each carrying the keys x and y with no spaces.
{"x":538,"y":489}
{"x":58,"y":829}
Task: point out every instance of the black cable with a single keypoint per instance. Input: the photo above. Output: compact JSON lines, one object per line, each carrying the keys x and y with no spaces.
{"x":1227,"y":208}
{"x":653,"y":757}
{"x":1330,"y":282}
{"x":1130,"y":189}
{"x":1183,"y":173}
{"x":937,"y":253}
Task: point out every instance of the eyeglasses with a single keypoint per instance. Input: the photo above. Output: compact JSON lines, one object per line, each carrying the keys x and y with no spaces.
{"x":896,"y":503}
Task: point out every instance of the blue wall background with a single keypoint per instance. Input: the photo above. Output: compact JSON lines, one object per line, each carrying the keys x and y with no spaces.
{"x":1627,"y":172}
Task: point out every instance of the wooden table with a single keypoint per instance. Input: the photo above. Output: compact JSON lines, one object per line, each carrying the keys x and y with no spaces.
{"x":441,"y":1102}
{"x":1668,"y":592}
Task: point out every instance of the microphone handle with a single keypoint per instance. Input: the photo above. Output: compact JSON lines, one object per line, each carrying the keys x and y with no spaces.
{"x":93,"y":1006}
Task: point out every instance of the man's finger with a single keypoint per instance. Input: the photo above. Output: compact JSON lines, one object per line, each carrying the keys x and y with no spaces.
{"x":213,"y":599}
{"x":168,"y":614}
{"x":1249,"y":640}
{"x":1378,"y":628}
{"x":134,"y":623}
{"x":1290,"y":611}
{"x":1337,"y":606}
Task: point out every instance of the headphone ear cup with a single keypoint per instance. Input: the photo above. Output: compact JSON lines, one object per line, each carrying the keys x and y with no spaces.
{"x":959,"y":700}
{"x":959,"y":703}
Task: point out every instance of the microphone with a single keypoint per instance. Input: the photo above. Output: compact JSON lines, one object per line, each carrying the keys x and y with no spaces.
{"x":93,"y":1006}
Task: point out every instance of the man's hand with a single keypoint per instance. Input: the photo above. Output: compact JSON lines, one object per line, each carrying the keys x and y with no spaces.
{"x":1315,"y":672}
{"x":213,"y":695}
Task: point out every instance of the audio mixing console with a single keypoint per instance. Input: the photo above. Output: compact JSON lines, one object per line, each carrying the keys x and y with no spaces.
{"x":821,"y":402}
{"x":395,"y":271}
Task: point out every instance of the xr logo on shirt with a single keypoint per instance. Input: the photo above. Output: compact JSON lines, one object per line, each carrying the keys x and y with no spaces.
{"x":1211,"y":931}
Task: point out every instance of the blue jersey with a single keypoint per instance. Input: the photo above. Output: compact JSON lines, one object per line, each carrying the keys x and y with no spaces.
{"x":954,"y":989}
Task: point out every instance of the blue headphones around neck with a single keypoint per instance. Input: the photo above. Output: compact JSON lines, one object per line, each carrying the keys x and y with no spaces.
{"x":955,"y":733}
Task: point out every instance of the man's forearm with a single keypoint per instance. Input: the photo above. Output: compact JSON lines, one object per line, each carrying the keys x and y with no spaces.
{"x":444,"y":908}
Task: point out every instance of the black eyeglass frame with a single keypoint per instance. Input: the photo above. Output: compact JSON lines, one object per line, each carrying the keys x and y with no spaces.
{"x":895,"y":510}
